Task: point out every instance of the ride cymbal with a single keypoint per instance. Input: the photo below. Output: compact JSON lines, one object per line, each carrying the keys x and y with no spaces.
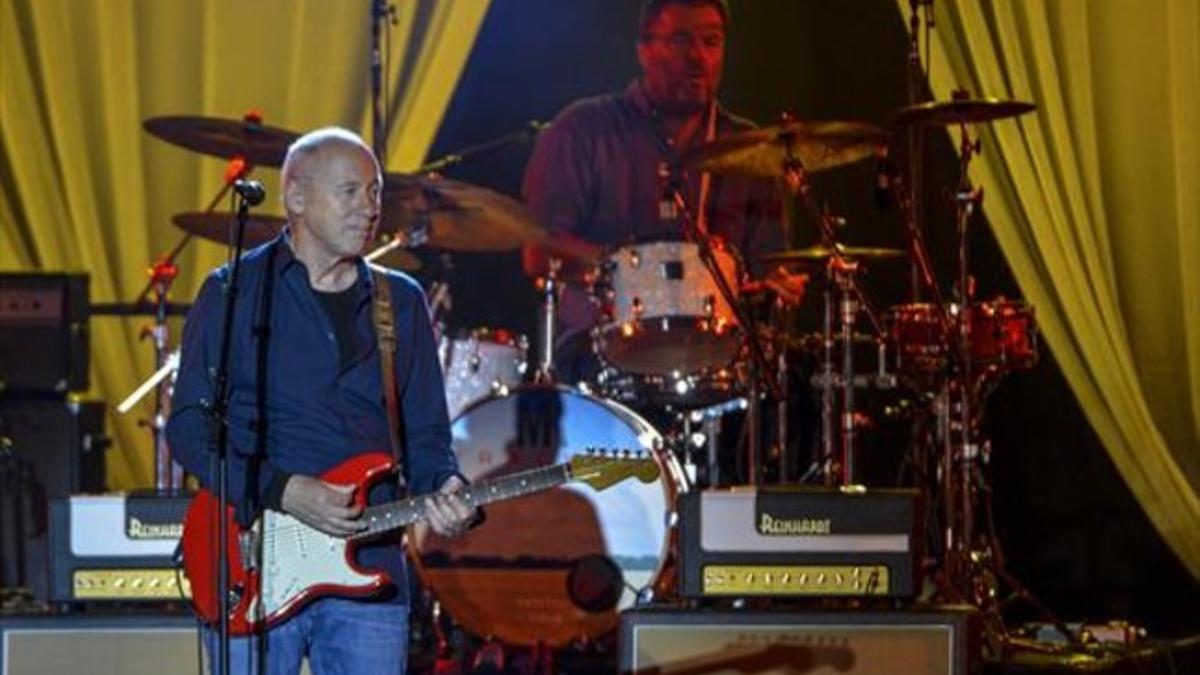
{"x":960,"y":111}
{"x":257,"y":143}
{"x":765,"y":152}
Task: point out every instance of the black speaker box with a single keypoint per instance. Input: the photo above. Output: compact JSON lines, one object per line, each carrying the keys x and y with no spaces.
{"x":48,"y":449}
{"x":43,"y":332}
{"x":668,"y":641}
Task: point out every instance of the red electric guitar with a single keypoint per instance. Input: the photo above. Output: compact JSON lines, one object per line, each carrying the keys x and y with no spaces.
{"x":299,"y":563}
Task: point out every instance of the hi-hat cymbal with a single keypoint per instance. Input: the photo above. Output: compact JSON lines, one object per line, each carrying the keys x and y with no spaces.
{"x":456,"y":216}
{"x":260,"y":229}
{"x":764,"y":152}
{"x":961,"y":111}
{"x":257,"y":143}
{"x":819,"y":253}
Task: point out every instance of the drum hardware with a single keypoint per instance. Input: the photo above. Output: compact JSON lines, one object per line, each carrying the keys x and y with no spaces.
{"x":548,"y":290}
{"x":841,"y":278}
{"x":959,"y":350}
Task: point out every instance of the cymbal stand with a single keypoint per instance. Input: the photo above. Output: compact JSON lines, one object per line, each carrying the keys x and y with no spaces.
{"x":549,"y":288}
{"x":168,"y":474}
{"x":841,"y":274}
{"x":972,"y":565}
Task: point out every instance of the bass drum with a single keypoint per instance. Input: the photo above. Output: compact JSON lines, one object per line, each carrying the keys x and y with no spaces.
{"x":555,"y":566}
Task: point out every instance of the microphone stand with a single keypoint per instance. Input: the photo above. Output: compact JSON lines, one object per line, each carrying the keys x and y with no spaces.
{"x":760,"y":367}
{"x":915,"y":89}
{"x":218,"y":414}
{"x":381,"y":11}
{"x":531,"y":129}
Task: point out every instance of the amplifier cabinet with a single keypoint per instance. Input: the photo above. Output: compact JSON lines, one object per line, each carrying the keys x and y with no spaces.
{"x":117,"y":548}
{"x":667,"y":641}
{"x":43,"y":332}
{"x":98,"y":644}
{"x":794,"y":541}
{"x":55,"y":448}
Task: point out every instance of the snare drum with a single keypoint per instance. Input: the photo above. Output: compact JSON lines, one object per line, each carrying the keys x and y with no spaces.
{"x":481,"y":363}
{"x":664,"y":313}
{"x":556,"y":566}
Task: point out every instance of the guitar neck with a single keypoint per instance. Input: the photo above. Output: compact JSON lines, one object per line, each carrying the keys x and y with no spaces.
{"x":385,"y":518}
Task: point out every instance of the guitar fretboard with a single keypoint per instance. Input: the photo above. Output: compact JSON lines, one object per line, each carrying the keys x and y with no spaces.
{"x":384,"y":518}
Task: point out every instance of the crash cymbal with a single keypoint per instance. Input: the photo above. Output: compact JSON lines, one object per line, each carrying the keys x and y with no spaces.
{"x":218,"y":226}
{"x":578,"y":260}
{"x":763,"y":152}
{"x":260,"y":229}
{"x":453,"y":215}
{"x":819,"y":253}
{"x":257,"y":143}
{"x":961,"y":111}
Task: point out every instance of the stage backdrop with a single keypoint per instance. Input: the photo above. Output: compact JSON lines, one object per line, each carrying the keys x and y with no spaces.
{"x":1094,"y":202}
{"x":83,"y":187}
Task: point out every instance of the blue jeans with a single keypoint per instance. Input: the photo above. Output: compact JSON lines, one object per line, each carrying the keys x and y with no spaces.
{"x":338,"y":636}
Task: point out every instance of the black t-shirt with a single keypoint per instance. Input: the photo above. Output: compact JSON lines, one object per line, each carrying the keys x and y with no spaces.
{"x":340,"y":307}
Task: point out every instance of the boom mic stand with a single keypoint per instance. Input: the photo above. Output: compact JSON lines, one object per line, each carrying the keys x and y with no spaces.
{"x":760,"y":367}
{"x":250,"y":193}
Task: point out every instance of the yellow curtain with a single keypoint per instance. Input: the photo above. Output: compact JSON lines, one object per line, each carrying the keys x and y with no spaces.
{"x":84,"y":188}
{"x":1094,"y":202}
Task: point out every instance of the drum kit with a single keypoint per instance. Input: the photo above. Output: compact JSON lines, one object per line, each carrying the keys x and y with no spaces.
{"x":685,"y":339}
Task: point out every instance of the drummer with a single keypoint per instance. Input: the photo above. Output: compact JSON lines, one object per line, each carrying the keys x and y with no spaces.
{"x":601,"y":174}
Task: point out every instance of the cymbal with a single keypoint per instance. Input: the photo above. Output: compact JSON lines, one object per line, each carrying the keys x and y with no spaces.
{"x":819,"y":253}
{"x":219,"y":226}
{"x":456,"y":216}
{"x":961,"y":111}
{"x":257,"y":143}
{"x":260,"y":229}
{"x":763,"y":152}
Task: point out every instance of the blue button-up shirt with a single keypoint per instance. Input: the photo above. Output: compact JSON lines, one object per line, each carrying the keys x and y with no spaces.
{"x":311,"y":413}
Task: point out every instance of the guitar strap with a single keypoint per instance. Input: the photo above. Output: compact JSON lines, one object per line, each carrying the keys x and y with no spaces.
{"x":385,"y":334}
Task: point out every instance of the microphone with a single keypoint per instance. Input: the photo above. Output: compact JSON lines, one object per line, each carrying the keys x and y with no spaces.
{"x":251,"y":191}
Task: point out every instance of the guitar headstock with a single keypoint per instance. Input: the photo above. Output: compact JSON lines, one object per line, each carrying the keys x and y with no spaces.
{"x":604,"y":467}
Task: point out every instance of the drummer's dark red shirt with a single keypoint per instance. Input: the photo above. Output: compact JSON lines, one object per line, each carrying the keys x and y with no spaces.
{"x":595,"y":172}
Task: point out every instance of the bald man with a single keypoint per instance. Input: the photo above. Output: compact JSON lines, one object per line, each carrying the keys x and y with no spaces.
{"x":306,"y":394}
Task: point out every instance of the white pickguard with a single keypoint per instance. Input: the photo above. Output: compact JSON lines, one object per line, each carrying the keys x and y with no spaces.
{"x":297,"y":557}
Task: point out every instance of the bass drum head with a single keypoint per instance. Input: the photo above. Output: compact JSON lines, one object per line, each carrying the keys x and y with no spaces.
{"x":555,"y":566}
